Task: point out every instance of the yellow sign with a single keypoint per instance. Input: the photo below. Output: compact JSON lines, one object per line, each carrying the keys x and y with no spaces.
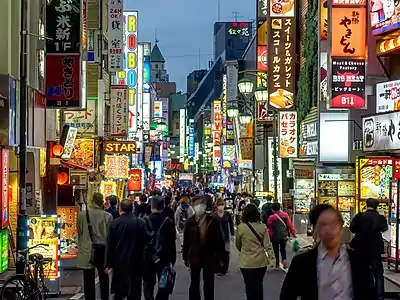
{"x":116,"y":166}
{"x":108,"y":188}
{"x":42,"y":163}
{"x":113,"y":147}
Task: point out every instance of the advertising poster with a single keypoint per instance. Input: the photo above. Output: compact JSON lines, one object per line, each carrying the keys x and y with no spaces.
{"x":348,"y":32}
{"x":4,"y":245}
{"x":135,"y":180}
{"x":282,"y":8}
{"x":375,"y":176}
{"x":288,"y":134}
{"x":282,"y":61}
{"x":348,"y":83}
{"x":146,"y":67}
{"x":115,"y":36}
{"x":157,"y":109}
{"x":84,"y":120}
{"x":68,"y":231}
{"x":324,"y":20}
{"x":229,"y":156}
{"x":116,"y":166}
{"x":83,"y":154}
{"x":274,"y":171}
{"x":388,"y":96}
{"x":5,"y":165}
{"x":108,"y":188}
{"x":262,"y":58}
{"x":63,"y":81}
{"x":45,"y":230}
{"x":384,"y":16}
{"x":119,"y":111}
{"x":246,"y":148}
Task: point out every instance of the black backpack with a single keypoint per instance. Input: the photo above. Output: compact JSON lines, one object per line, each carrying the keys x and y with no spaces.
{"x":183,"y":217}
{"x":157,"y":242}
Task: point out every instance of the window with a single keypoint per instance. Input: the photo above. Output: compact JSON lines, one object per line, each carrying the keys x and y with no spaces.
{"x":177,"y":125}
{"x":156,"y":66}
{"x":156,"y":75}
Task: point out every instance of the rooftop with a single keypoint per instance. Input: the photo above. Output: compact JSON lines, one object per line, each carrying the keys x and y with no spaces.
{"x":156,"y":55}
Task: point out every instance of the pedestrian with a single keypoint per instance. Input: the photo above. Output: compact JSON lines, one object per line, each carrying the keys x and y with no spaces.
{"x":329,"y":271}
{"x":126,"y":240}
{"x":113,"y":209}
{"x":228,"y":231}
{"x":280,"y":228}
{"x":266,"y":212}
{"x":163,"y":233}
{"x":143,"y":209}
{"x":183,"y":212}
{"x":203,"y":247}
{"x":238,"y":212}
{"x":368,"y":227}
{"x":92,"y":227}
{"x":168,"y":211}
{"x":256,"y":252}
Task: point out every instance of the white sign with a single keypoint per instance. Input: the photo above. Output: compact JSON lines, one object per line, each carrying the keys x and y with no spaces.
{"x":388,"y":96}
{"x":334,"y":136}
{"x":311,"y":148}
{"x":146,"y":111}
{"x":115,"y":35}
{"x":139,"y":104}
{"x":119,"y":111}
{"x":288,"y":134}
{"x":310,"y":130}
{"x":232,"y":80}
{"x":84,"y":120}
{"x":69,"y":143}
{"x":182,"y":133}
{"x":381,"y":132}
{"x":272,"y":173}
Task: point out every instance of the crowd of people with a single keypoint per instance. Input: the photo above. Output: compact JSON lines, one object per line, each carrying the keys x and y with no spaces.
{"x":134,"y":242}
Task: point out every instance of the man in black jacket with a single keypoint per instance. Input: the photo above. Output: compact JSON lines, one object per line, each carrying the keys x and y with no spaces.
{"x":162,"y":227}
{"x":143,"y":209}
{"x":113,"y":209}
{"x":329,"y":271}
{"x":367,"y":242}
{"x":126,"y":240}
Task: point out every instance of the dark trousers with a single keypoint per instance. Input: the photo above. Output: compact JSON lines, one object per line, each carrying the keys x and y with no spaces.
{"x":127,"y":286}
{"x":253,"y":280}
{"x":89,"y":285}
{"x":225,"y":263}
{"x":208,"y":283}
{"x":150,"y":281}
{"x":377,"y":271}
{"x":279,"y":246}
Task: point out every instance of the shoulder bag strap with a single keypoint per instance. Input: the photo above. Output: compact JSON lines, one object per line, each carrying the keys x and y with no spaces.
{"x":255,"y":234}
{"x":90,"y":227}
{"x":280,"y":219}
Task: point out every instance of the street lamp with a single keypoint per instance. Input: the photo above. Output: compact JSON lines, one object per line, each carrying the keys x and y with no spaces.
{"x":261,"y":94}
{"x":245,"y":118}
{"x":232,"y":111}
{"x":245,"y":86}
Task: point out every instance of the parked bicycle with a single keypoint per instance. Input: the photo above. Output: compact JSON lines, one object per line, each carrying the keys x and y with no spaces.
{"x":30,"y":285}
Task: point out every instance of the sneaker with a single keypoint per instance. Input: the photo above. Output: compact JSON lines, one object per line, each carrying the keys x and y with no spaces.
{"x":285,"y":264}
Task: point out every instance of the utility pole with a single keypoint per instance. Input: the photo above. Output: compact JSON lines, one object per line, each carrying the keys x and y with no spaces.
{"x":22,"y":238}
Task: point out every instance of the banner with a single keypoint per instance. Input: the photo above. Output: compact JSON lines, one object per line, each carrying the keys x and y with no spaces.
{"x":68,"y":231}
{"x":135,"y":180}
{"x":5,"y":166}
{"x":63,"y":81}
{"x":288,"y":145}
{"x":119,"y":111}
{"x":115,"y":35}
{"x":44,"y":230}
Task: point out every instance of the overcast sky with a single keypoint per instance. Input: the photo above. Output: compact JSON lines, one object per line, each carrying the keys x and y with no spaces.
{"x":183,"y":27}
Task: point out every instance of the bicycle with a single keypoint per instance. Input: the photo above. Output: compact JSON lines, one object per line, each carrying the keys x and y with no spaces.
{"x":30,"y":285}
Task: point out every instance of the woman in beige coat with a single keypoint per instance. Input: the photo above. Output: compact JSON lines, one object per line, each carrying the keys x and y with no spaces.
{"x":256,"y":252}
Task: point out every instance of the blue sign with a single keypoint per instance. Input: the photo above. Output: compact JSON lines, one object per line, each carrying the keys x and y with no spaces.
{"x":146,"y":74}
{"x":191,"y":142}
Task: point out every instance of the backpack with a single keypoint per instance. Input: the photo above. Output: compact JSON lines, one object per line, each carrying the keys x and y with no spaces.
{"x":280,"y":229}
{"x":183,"y":217}
{"x":157,"y":242}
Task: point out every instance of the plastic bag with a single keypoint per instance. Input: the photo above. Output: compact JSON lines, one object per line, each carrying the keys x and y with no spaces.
{"x":167,"y":279}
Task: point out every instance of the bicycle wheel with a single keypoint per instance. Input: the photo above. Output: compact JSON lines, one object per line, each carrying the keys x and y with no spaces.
{"x":19,"y":287}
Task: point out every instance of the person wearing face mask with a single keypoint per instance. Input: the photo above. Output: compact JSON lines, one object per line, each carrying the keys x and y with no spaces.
{"x":228,"y":231}
{"x":203,"y":247}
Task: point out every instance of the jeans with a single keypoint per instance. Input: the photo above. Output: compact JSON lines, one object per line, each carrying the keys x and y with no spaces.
{"x":279,"y":246}
{"x":149,"y":283}
{"x":208,"y":283}
{"x":253,"y":280}
{"x":377,"y":271}
{"x":89,"y":284}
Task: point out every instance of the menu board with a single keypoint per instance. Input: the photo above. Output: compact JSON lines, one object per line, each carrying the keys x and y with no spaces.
{"x":328,"y":200}
{"x":83,"y":154}
{"x":346,"y":188}
{"x":346,"y":203}
{"x":303,"y":195}
{"x":375,"y":176}
{"x":44,"y":230}
{"x":68,"y":231}
{"x":4,"y":250}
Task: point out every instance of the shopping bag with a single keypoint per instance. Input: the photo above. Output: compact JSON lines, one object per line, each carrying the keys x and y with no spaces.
{"x":167,"y":279}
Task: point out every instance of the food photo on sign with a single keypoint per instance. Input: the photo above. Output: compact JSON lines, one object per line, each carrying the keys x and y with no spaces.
{"x":384,"y":15}
{"x":68,"y":231}
{"x":348,"y":83}
{"x":282,"y":8}
{"x":288,"y":134}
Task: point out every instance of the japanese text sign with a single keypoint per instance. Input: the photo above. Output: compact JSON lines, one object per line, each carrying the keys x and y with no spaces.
{"x":108,"y":188}
{"x":282,"y":8}
{"x":5,"y":166}
{"x":217,"y":115}
{"x":246,"y":147}
{"x":119,"y":110}
{"x":381,"y":132}
{"x":68,"y":231}
{"x":262,"y":58}
{"x":112,"y":147}
{"x":384,"y":16}
{"x":324,"y":20}
{"x":262,"y":10}
{"x":281,"y":62}
{"x":115,"y":36}
{"x":388,"y":96}
{"x":63,"y":87}
{"x":83,"y":120}
{"x":348,"y":83}
{"x":288,"y":134}
{"x":348,"y":32}
{"x":63,"y":27}
{"x":349,"y":2}
{"x":135,"y":180}
{"x":116,"y":166}
{"x":240,"y":29}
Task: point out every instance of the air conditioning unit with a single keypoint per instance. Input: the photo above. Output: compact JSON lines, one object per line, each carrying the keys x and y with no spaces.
{"x":79,"y":180}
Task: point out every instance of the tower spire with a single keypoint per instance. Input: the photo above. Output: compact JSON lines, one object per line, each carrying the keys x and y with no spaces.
{"x":156,"y":40}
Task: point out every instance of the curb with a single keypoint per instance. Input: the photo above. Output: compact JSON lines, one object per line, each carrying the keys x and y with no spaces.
{"x":388,"y":278}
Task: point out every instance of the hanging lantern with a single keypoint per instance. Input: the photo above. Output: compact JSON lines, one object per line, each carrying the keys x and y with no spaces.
{"x":58,"y":150}
{"x":62,"y":178}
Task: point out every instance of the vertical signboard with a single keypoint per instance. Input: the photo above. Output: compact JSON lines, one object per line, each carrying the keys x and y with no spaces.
{"x":182,"y":133}
{"x":282,"y":56}
{"x":146,"y":111}
{"x":129,"y":75}
{"x":119,"y":111}
{"x":63,"y":49}
{"x":288,"y":143}
{"x":224,"y":105}
{"x":115,"y":36}
{"x":348,"y":23}
{"x":5,"y":166}
{"x":261,"y":51}
{"x":139,"y":104}
{"x":217,"y":132}
{"x":191,"y":139}
{"x":324,"y":20}
{"x":146,"y":67}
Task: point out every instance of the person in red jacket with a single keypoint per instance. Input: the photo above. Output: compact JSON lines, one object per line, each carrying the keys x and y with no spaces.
{"x":280,"y":228}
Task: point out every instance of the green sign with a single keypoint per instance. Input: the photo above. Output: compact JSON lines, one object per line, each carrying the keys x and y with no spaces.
{"x":4,"y":251}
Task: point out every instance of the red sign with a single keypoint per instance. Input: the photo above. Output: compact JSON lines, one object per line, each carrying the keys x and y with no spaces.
{"x":63,"y":74}
{"x":175,"y":166}
{"x":5,"y":165}
{"x":262,"y":58}
{"x":262,"y":112}
{"x":135,"y":180}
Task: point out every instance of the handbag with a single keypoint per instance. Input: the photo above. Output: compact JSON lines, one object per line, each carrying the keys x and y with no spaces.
{"x":167,"y":279}
{"x":258,"y":238}
{"x":98,"y":253}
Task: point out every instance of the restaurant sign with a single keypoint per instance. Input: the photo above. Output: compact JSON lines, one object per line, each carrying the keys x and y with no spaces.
{"x":381,"y":132}
{"x":113,"y":147}
{"x":388,"y":96}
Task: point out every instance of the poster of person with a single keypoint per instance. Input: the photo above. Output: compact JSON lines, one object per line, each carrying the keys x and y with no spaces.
{"x":44,"y":230}
{"x":68,"y":231}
